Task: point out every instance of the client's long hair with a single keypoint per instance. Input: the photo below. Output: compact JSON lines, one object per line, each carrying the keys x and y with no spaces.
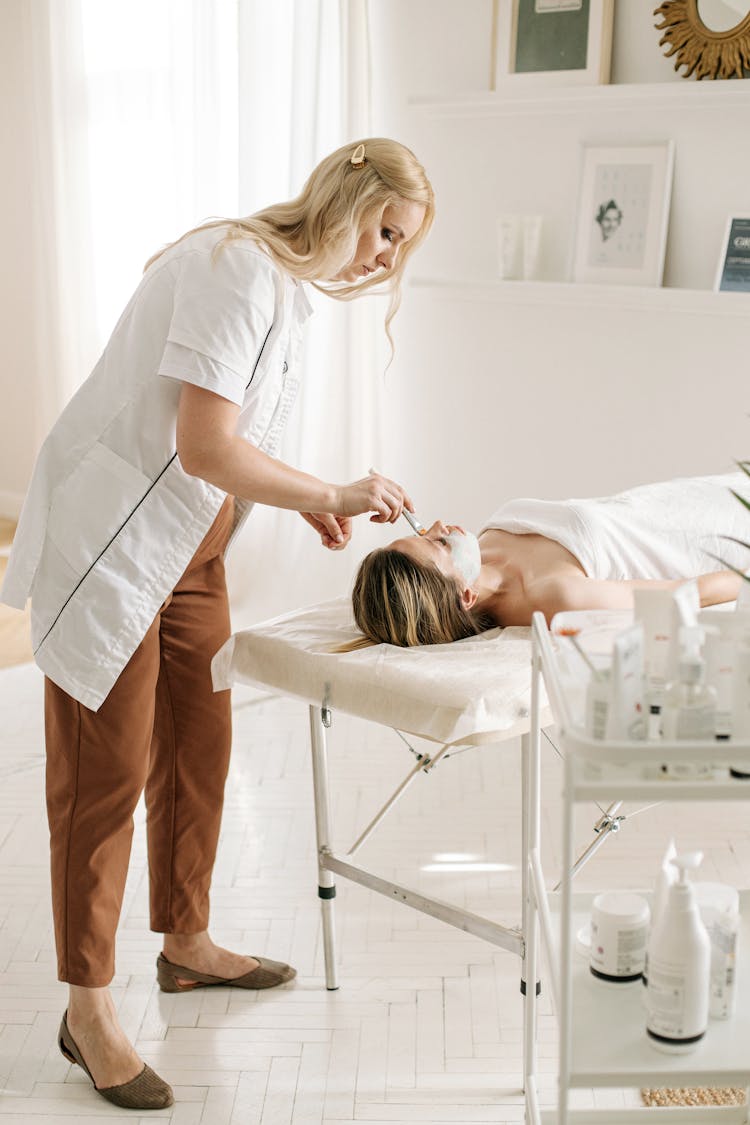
{"x":398,"y":601}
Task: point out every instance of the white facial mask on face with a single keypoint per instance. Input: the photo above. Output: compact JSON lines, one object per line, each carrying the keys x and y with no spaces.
{"x":467,"y":557}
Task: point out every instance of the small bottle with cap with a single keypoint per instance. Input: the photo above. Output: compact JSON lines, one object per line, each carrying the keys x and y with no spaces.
{"x":689,"y":705}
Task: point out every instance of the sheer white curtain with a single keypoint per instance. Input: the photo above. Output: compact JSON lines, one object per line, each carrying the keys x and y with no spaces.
{"x":153,"y":115}
{"x":161,"y":77}
{"x":134,"y":110}
{"x":64,"y":337}
{"x":313,"y":97}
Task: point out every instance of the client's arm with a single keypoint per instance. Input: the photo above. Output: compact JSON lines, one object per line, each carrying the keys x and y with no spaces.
{"x":573,"y":592}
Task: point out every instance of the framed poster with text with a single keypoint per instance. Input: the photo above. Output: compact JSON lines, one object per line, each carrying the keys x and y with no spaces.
{"x":733,"y":273}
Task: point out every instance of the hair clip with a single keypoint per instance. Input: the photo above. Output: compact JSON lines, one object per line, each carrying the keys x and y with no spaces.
{"x":357,"y":159}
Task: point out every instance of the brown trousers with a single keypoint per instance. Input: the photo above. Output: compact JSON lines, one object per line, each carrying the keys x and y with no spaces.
{"x":162,"y":728}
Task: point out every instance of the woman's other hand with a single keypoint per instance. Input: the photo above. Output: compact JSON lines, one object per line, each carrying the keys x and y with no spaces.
{"x":374,"y":493}
{"x":334,"y":531}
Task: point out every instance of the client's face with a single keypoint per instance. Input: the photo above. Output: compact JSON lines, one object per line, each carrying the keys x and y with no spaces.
{"x":437,"y":548}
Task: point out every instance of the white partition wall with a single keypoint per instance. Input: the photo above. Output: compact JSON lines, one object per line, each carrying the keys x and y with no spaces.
{"x":550,"y":388}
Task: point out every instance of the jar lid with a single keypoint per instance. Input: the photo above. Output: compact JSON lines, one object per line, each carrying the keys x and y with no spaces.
{"x":625,"y":907}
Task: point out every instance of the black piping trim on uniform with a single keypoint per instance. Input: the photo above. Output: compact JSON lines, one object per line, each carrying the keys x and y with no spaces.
{"x":260,"y":353}
{"x":103,"y":551}
{"x":131,"y":514}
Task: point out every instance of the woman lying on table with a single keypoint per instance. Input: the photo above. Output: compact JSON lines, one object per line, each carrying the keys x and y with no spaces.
{"x":551,"y":556}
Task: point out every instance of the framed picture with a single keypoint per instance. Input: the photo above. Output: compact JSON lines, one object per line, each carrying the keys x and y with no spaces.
{"x":733,"y":274}
{"x":551,"y":42}
{"x":623,"y":210}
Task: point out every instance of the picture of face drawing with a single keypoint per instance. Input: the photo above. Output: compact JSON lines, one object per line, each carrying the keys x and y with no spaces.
{"x":609,"y":217}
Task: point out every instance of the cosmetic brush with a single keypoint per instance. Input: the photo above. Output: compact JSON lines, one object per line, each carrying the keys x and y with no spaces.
{"x":416,"y":526}
{"x":412,"y":520}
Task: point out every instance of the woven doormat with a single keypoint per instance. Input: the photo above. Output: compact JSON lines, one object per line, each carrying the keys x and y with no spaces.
{"x":694,"y":1095}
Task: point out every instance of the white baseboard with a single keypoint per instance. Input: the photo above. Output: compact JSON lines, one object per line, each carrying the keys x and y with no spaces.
{"x":10,"y":504}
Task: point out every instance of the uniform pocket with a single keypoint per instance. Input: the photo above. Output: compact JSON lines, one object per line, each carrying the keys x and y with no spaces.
{"x":91,"y":505}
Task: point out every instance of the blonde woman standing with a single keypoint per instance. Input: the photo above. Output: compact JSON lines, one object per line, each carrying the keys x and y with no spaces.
{"x":139,"y":488}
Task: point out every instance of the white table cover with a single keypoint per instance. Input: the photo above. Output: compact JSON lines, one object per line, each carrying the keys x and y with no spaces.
{"x":474,"y":690}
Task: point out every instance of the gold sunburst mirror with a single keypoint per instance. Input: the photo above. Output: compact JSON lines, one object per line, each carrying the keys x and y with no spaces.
{"x":710,"y":38}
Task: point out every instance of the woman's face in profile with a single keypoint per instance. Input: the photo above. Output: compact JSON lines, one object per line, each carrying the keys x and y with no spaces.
{"x":381,"y":240}
{"x":433,"y":549}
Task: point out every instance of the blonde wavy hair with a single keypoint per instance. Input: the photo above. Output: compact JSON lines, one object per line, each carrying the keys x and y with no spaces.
{"x":313,"y":236}
{"x":398,"y":601}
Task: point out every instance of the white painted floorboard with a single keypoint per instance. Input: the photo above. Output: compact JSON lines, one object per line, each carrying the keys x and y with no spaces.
{"x":426,"y":1025}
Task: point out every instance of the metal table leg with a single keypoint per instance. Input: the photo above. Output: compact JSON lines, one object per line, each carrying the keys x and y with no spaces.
{"x":320,"y":719}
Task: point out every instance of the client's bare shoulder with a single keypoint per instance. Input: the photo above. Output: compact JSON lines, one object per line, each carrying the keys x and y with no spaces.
{"x":536,"y":574}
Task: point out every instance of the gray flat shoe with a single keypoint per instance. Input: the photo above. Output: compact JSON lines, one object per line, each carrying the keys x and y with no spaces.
{"x":146,"y":1091}
{"x":267,"y":975}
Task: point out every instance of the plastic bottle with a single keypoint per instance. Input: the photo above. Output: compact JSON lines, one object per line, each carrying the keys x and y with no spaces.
{"x":741,"y":691}
{"x":719,"y":906}
{"x":664,"y":880}
{"x":741,"y":687}
{"x":724,"y":934}
{"x":679,"y":966}
{"x":689,"y":705}
{"x":598,"y":703}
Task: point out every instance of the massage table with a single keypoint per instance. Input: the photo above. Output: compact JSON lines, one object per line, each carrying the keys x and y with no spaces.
{"x":455,"y":696}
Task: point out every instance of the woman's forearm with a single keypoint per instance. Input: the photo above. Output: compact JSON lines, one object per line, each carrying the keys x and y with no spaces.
{"x":718,"y":586}
{"x":241,"y":469}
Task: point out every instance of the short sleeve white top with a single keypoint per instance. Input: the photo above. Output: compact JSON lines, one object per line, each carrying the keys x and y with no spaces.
{"x":111,"y":519}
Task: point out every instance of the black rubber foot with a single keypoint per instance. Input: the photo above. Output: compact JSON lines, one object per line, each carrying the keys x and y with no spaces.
{"x":334,"y":989}
{"x":737,"y":773}
{"x":538,"y":987}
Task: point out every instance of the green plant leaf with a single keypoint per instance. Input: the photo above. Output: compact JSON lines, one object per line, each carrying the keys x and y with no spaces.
{"x":741,"y":499}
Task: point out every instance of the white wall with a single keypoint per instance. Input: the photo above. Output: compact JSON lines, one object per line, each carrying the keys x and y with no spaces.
{"x":18,"y":423}
{"x":557,"y":390}
{"x":614,"y":395}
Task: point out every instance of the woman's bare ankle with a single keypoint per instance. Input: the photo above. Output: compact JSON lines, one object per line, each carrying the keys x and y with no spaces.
{"x":177,"y":946}
{"x":87,"y":1004}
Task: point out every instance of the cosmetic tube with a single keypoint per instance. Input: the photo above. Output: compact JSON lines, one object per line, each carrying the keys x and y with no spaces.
{"x":598,"y":703}
{"x":532,"y":237}
{"x":741,"y":694}
{"x":626,"y":715}
{"x":719,"y":906}
{"x":508,"y":246}
{"x":724,"y":934}
{"x":724,"y":633}
{"x":654,"y":608}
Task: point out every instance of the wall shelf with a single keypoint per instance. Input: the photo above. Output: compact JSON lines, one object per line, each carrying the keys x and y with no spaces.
{"x":571,"y":294}
{"x":512,"y":100}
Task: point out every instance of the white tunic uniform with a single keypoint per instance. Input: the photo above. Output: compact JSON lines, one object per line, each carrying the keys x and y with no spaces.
{"x":111,"y":519}
{"x":673,"y":529}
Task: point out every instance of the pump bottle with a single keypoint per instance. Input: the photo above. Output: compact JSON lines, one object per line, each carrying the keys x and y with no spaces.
{"x":689,"y":705}
{"x":665,"y":877}
{"x":679,"y":967}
